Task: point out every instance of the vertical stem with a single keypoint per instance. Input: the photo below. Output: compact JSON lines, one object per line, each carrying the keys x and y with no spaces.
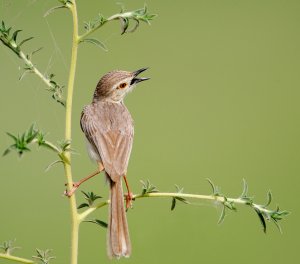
{"x":68,"y":132}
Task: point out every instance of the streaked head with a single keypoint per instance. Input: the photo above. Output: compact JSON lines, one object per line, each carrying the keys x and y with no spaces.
{"x":114,"y":85}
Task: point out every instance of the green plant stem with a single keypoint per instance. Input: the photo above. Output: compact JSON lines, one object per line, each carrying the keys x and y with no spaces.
{"x":113,"y":17}
{"x":68,"y":126}
{"x":220,"y":199}
{"x":34,"y":69}
{"x":17,"y":259}
{"x":50,"y":145}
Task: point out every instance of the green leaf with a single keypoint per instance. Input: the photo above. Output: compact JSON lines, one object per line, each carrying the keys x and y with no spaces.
{"x":173,"y":204}
{"x":215,"y":189}
{"x":124,"y":24}
{"x":179,"y":190}
{"x":7,"y":151}
{"x":25,"y":40}
{"x":90,"y":197}
{"x":8,"y":247}
{"x":181,"y":199}
{"x":222,"y":216}
{"x":229,"y":204}
{"x":96,"y":42}
{"x":277,"y":225}
{"x":269,"y":197}
{"x":137,"y":23}
{"x":15,"y":34}
{"x":24,"y":74}
{"x":97,"y":222}
{"x":244,"y":196}
{"x":83,"y":205}
{"x":44,"y":255}
{"x":12,"y":136}
{"x":147,"y":187}
{"x":261,"y":219}
{"x":245,"y":189}
{"x":52,"y":164}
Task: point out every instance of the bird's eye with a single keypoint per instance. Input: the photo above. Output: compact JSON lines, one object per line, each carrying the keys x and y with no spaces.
{"x":122,"y":85}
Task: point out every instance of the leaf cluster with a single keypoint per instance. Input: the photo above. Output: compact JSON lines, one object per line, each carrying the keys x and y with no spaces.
{"x":177,"y":198}
{"x":148,"y":187}
{"x":9,"y":38}
{"x":43,"y":256}
{"x":262,"y":211}
{"x":7,"y":247}
{"x":136,"y":16}
{"x":22,"y":141}
{"x":270,"y":215}
{"x":90,"y":197}
{"x":99,"y":21}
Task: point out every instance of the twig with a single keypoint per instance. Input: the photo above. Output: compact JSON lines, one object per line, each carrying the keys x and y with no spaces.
{"x":14,"y":258}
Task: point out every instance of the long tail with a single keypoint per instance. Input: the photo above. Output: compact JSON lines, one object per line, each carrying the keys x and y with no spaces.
{"x":118,"y":240}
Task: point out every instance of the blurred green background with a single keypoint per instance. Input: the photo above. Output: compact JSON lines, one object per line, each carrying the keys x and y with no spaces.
{"x":222,"y":103}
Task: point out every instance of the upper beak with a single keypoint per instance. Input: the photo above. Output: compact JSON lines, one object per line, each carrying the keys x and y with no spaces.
{"x":137,"y":79}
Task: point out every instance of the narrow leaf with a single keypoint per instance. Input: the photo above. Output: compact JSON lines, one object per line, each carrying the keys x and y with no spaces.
{"x":25,"y":73}
{"x":137,"y":23}
{"x":183,"y":200}
{"x":262,"y":220}
{"x":96,"y":42}
{"x":245,"y":189}
{"x":12,"y":136}
{"x":277,"y":225}
{"x":124,"y":24}
{"x":52,"y":164}
{"x":222,"y":216}
{"x":269,"y":197}
{"x":83,"y":205}
{"x":14,"y":36}
{"x":173,"y":204}
{"x":98,"y":222}
{"x":6,"y":151}
{"x":25,"y":40}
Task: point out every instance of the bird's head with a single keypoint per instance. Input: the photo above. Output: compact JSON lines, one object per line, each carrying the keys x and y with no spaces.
{"x":114,"y":85}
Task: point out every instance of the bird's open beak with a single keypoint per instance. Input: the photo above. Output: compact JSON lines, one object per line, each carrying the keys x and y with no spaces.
{"x":138,"y":79}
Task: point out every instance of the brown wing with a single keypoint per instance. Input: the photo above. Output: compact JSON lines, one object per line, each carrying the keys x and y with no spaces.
{"x":109,"y":130}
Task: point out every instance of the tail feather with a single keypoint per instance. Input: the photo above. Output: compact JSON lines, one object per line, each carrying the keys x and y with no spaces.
{"x":118,"y":239}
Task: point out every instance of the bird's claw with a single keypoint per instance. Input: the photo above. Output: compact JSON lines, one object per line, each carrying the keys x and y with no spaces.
{"x":129,"y":198}
{"x":70,"y":192}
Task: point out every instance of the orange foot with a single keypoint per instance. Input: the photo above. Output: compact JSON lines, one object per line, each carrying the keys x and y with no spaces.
{"x":129,"y":198}
{"x":70,"y":192}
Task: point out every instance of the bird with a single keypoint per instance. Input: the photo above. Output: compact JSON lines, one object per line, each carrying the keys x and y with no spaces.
{"x":108,"y":127}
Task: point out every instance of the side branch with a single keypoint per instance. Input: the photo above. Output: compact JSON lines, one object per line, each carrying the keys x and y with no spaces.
{"x":14,"y":258}
{"x":124,"y":17}
{"x":10,"y":40}
{"x":219,"y":199}
{"x":149,"y":190}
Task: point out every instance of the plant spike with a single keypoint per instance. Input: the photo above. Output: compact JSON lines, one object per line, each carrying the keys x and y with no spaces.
{"x":43,"y":256}
{"x":147,"y":187}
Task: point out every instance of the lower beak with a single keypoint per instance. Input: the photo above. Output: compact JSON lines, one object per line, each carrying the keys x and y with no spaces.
{"x":137,"y":79}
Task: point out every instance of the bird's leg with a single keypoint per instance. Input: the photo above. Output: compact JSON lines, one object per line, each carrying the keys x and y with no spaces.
{"x":77,"y":184}
{"x":128,"y":196}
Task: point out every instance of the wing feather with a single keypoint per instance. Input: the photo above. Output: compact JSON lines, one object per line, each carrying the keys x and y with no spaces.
{"x":109,"y":130}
